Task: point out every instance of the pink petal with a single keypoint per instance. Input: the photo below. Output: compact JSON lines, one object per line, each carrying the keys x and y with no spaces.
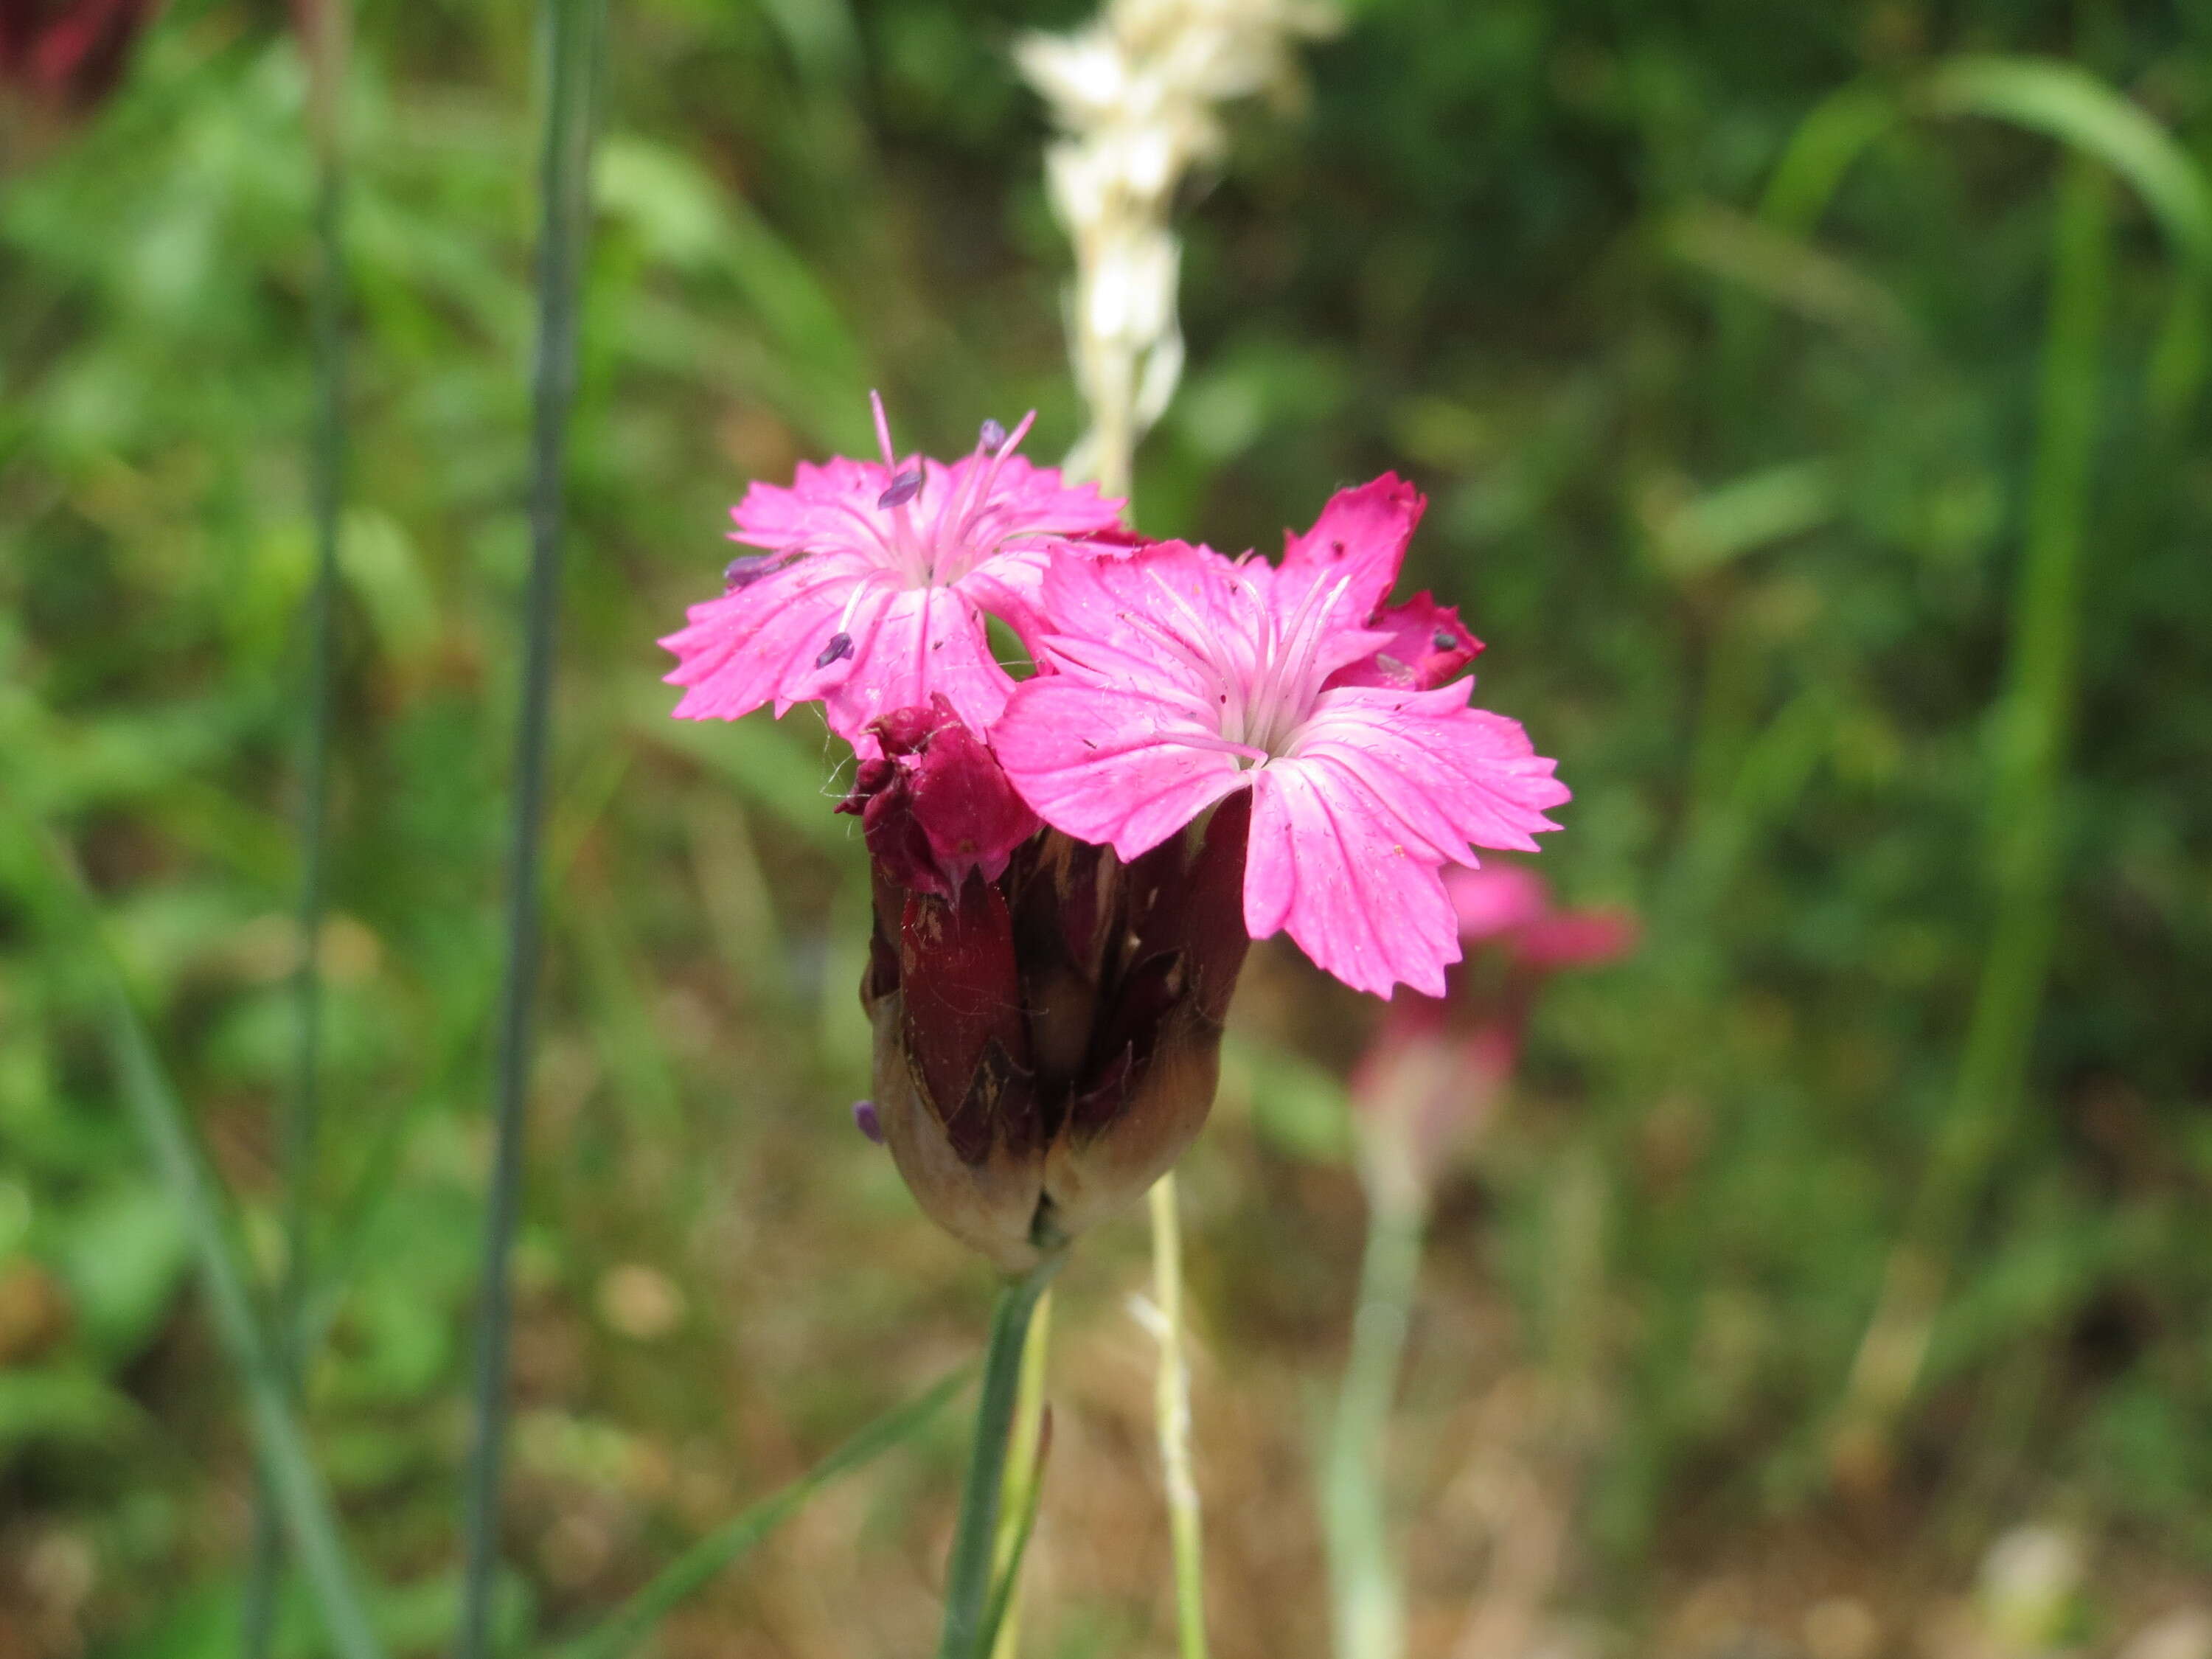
{"x":1447,"y":774}
{"x":1429,"y":644}
{"x":1323,"y":867}
{"x":762,"y":643}
{"x":1362,"y":533}
{"x":812,"y":512}
{"x":1010,"y":586}
{"x":1027,"y":499}
{"x":1156,"y":618}
{"x":908,"y":644}
{"x":1110,"y":767}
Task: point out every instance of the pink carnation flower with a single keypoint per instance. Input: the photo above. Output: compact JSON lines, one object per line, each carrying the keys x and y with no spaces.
{"x":1181,"y":677}
{"x":871,"y":590}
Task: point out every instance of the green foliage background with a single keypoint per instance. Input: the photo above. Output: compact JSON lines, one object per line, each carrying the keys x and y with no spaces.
{"x":1733,"y":464}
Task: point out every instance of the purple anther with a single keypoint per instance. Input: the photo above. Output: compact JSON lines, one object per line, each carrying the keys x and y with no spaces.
{"x":745,"y":570}
{"x":868,"y":1121}
{"x":839,"y":648}
{"x":994,"y":436}
{"x":904,"y":488}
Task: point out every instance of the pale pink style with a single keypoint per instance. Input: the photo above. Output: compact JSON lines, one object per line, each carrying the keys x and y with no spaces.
{"x":872,"y":589}
{"x":1180,"y":677}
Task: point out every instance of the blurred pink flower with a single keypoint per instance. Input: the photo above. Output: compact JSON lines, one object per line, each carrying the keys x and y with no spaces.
{"x":873,"y":582}
{"x":1438,"y":1068}
{"x":1179,"y":678}
{"x":1509,"y":905}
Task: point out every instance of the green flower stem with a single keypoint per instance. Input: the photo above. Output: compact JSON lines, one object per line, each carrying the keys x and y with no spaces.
{"x":2032,"y":724}
{"x":974,"y":1540}
{"x":1024,"y":1477}
{"x":1366,"y":1601}
{"x":1171,"y":1401}
{"x":573,"y":30}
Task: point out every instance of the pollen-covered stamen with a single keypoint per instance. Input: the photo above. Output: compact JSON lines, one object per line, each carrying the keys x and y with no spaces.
{"x":992,"y":438}
{"x":904,"y":489}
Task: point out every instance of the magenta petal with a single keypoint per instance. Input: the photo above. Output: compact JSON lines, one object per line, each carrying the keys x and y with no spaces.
{"x":1428,"y":646}
{"x":1364,"y":908}
{"x":1361,"y":534}
{"x":1163,"y":618}
{"x":917,"y":643}
{"x":1432,"y":761}
{"x":759,"y":643}
{"x":1106,"y":766}
{"x":815,"y":510}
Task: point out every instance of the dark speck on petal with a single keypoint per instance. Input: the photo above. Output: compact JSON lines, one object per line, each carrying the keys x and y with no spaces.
{"x":1445,"y":641}
{"x":904,"y":488}
{"x":839,"y":648}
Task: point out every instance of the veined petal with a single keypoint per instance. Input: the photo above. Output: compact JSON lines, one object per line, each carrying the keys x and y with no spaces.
{"x":762,"y":643}
{"x":1367,"y":908}
{"x":1448,"y":775}
{"x":1171,"y":614}
{"x":1023,"y":499}
{"x":1010,"y":586}
{"x":824,"y":507}
{"x":1361,"y":534}
{"x":1114,"y":768}
{"x":909,"y":643}
{"x":1427,"y":647}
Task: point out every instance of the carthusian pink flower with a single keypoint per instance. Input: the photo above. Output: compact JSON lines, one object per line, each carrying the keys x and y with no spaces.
{"x":872,"y":582}
{"x":1179,"y":678}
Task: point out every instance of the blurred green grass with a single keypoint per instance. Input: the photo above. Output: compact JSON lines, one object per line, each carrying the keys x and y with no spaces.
{"x":1737,"y":491}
